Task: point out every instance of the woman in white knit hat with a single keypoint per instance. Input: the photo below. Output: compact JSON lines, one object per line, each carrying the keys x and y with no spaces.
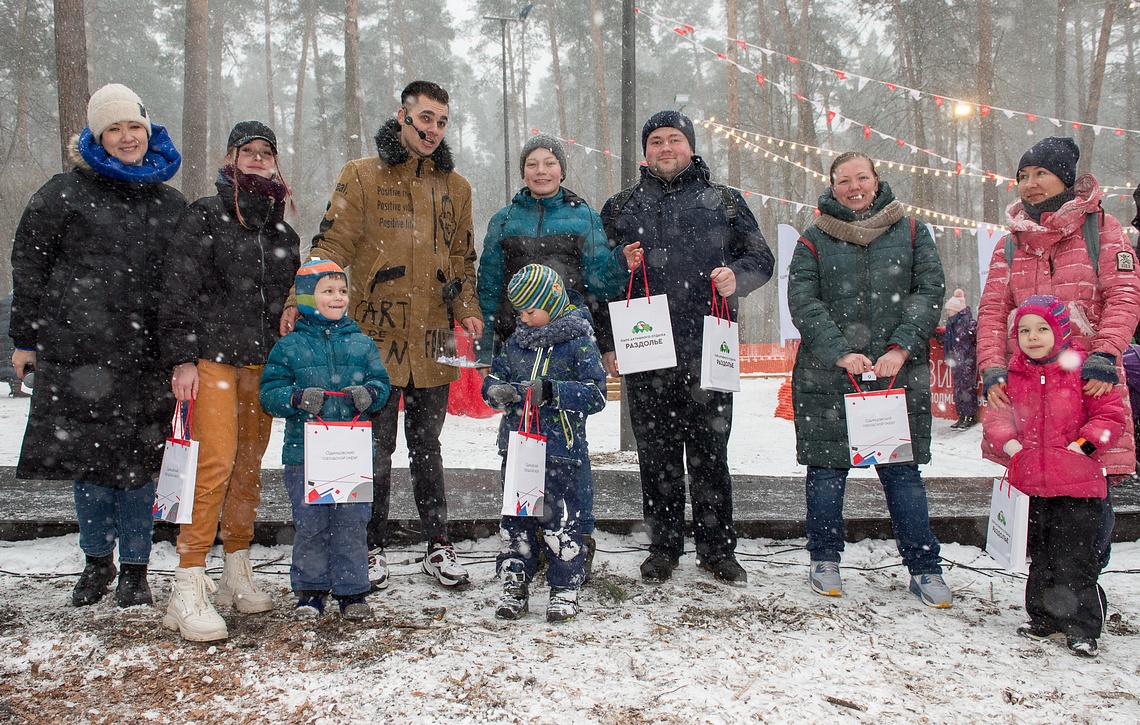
{"x":86,"y":275}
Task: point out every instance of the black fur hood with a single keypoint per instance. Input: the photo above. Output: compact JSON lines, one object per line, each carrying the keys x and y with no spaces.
{"x":393,"y":153}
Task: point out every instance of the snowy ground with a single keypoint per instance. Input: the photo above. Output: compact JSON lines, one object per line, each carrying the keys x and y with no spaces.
{"x":689,"y":651}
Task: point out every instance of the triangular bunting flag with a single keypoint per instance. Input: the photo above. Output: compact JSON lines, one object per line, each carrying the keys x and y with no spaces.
{"x":863,"y":82}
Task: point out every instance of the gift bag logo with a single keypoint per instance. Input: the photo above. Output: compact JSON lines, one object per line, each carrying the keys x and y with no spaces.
{"x":1001,"y":518}
{"x":724,"y":348}
{"x":642,"y":326}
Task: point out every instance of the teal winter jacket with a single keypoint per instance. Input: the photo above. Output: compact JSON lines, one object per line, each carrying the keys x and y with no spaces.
{"x":849,"y":297}
{"x":319,"y":354}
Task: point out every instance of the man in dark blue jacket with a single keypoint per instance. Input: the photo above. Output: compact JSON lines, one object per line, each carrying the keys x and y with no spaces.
{"x":691,"y":233}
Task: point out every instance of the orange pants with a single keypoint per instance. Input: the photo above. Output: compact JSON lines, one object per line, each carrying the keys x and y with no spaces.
{"x":232,"y":434}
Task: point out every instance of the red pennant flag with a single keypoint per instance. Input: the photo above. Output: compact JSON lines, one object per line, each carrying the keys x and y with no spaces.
{"x":1032,"y":117}
{"x":679,"y":31}
{"x":1120,"y":132}
{"x":958,"y":164}
{"x":1012,"y":183}
{"x":748,"y":193}
{"x":1076,"y":126}
{"x":958,"y":231}
{"x":743,"y":45}
{"x":794,"y":60}
{"x":985,"y":110}
{"x":866,"y":132}
{"x":570,"y":140}
{"x":815,"y":211}
{"x":900,"y":142}
{"x":991,"y":175}
{"x":760,"y":79}
{"x":841,"y":74}
{"x":534,"y":132}
{"x":722,"y":56}
{"x":797,"y":95}
{"x":892,"y":86}
{"x":607,"y":152}
{"x":690,"y":28}
{"x":830,"y":117}
{"x":938,"y":100}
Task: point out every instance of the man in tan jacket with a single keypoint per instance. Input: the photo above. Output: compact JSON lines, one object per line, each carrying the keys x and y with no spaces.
{"x":400,"y":224}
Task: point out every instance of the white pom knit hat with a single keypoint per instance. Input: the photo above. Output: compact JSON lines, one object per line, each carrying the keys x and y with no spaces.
{"x":114,"y":103}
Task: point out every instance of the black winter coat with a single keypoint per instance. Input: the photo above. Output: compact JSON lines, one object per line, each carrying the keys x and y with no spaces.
{"x":684,"y":228}
{"x":87,"y":274}
{"x":224,"y":285}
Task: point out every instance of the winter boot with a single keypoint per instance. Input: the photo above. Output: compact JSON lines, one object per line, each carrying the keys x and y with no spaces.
{"x":515,"y":601}
{"x":237,"y":589}
{"x":133,"y":589}
{"x":310,"y":605}
{"x":658,"y":567}
{"x":354,"y":607}
{"x":727,"y":569}
{"x":563,"y":605}
{"x":190,"y":612}
{"x":442,"y":564}
{"x":93,"y":582}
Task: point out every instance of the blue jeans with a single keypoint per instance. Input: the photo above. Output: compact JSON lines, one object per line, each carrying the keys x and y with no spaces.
{"x":106,"y":514}
{"x":330,"y":548}
{"x":906,"y":501}
{"x":561,"y":531}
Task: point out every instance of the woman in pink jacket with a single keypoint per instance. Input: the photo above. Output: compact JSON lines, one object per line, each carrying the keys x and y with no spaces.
{"x":1054,"y":433}
{"x":1051,"y":255}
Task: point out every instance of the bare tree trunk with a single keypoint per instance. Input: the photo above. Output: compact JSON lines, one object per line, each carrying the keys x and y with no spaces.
{"x":272,"y":119}
{"x":732,"y":91}
{"x":299,"y":105}
{"x":195,"y":118}
{"x":987,"y":136}
{"x":924,"y":185}
{"x":1060,"y":81}
{"x":556,"y":68}
{"x":600,"y":80}
{"x":1133,"y":102}
{"x":523,"y":67}
{"x":1092,"y":108}
{"x":352,"y":120}
{"x":20,"y":148}
{"x":218,"y":116}
{"x":804,"y":114}
{"x":405,"y":47}
{"x":1079,"y":56}
{"x":71,"y":72}
{"x":322,"y":110}
{"x":389,"y":78}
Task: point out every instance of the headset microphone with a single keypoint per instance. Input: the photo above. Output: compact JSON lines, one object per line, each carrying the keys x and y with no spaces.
{"x":408,"y":121}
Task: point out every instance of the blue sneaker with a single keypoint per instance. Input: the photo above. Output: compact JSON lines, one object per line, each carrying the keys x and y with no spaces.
{"x":310,"y":605}
{"x":932,"y":590}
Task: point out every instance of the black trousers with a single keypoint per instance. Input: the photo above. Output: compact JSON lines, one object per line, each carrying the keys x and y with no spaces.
{"x":1062,"y":591}
{"x":678,"y":424}
{"x":425,"y":410}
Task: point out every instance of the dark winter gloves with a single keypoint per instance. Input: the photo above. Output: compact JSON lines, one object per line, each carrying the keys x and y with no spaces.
{"x":500,"y":395}
{"x":991,"y":377}
{"x":541,"y":391}
{"x":309,"y":400}
{"x":361,"y":396}
{"x":1100,"y":366}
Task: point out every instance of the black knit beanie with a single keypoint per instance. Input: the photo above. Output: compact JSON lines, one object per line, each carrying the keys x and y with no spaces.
{"x":1058,"y":154}
{"x":672,"y":119}
{"x":247,"y":131}
{"x":543,"y":141}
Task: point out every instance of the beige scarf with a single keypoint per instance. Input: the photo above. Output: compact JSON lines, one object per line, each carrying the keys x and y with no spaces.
{"x":864,"y":231}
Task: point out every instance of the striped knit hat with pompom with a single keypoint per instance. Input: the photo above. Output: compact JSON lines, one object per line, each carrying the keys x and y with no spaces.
{"x":306,"y":282}
{"x":1055,"y":314}
{"x":538,"y":287}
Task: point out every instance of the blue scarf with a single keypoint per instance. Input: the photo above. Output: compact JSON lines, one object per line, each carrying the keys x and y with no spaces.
{"x":161,"y":162}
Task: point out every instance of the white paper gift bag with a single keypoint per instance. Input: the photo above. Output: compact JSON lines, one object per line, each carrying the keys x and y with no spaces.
{"x":338,"y":462}
{"x":524,"y":474}
{"x":1008,"y":531}
{"x":174,"y":494}
{"x":878,"y":430}
{"x":643,"y":332}
{"x":720,"y":349}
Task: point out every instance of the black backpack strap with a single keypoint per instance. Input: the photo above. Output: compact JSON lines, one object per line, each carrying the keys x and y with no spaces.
{"x":729,"y":200}
{"x":617,"y":203}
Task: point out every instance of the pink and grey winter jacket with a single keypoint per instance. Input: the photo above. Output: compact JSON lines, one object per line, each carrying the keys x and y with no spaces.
{"x":1049,"y":412}
{"x":1051,"y":258}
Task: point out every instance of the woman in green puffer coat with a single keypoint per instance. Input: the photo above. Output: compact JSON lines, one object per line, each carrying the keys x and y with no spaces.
{"x":865,"y":289}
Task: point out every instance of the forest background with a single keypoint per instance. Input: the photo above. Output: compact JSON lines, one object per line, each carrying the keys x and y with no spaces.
{"x":944,"y":94}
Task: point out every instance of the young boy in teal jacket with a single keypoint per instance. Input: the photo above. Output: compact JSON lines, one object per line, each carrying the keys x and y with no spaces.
{"x":325,"y":368}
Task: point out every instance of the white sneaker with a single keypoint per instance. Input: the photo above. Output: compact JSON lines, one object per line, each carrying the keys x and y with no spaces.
{"x":442,"y":564}
{"x":190,"y":612}
{"x":237,"y":590}
{"x":377,"y":569}
{"x":932,"y":590}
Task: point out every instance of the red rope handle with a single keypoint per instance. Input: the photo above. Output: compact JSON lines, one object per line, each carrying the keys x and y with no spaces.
{"x":629,"y":287}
